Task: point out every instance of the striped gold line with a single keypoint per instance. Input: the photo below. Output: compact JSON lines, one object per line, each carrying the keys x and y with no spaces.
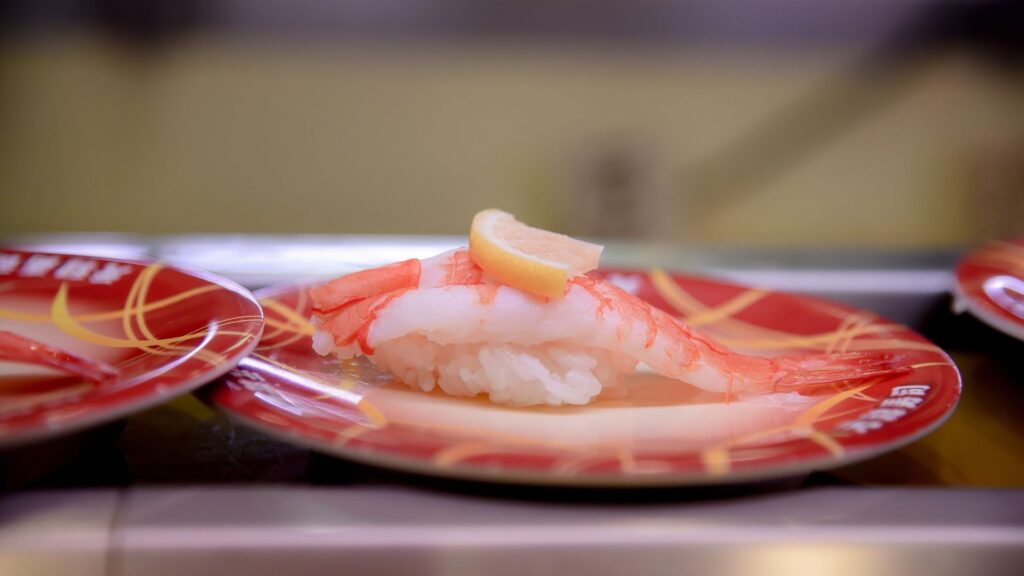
{"x":111,"y":314}
{"x":279,"y":326}
{"x":843,"y":414}
{"x":733,"y":332}
{"x":819,"y":341}
{"x":737,"y":304}
{"x":459,"y":452}
{"x":65,"y":322}
{"x":865,"y":397}
{"x":264,"y":345}
{"x":376,"y":416}
{"x":859,"y":324}
{"x":23,"y":316}
{"x":891,"y":343}
{"x":682,"y":302}
{"x":840,"y":332}
{"x":811,"y":415}
{"x":155,"y":305}
{"x":144,"y":281}
{"x":147,"y":277}
{"x":126,"y":314}
{"x":826,"y":442}
{"x":716,"y":461}
{"x":296,"y":322}
{"x":352,"y":432}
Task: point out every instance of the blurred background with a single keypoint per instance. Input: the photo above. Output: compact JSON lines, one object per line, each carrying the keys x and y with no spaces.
{"x":836,"y":123}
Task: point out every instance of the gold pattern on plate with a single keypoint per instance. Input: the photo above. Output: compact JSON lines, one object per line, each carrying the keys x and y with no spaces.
{"x":294,"y":324}
{"x":739,"y":334}
{"x":462,"y":451}
{"x":717,"y":459}
{"x":741,"y":302}
{"x":111,"y":314}
{"x":856,"y":330}
{"x":132,"y":315}
{"x":375,"y":416}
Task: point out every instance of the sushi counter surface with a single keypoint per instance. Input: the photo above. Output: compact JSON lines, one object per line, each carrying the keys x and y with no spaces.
{"x":181,"y":489}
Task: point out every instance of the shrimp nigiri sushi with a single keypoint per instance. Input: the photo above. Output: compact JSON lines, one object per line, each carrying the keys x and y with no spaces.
{"x":470,"y":324}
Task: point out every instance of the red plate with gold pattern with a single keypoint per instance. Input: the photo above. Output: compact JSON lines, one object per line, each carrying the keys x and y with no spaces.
{"x":990,"y":285}
{"x":662,"y":432}
{"x":86,"y":340}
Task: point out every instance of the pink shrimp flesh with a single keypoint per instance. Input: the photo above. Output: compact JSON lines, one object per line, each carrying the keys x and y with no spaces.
{"x":448,"y":300}
{"x":16,"y":348}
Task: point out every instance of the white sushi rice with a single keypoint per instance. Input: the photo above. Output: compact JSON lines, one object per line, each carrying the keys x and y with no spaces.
{"x":508,"y":374}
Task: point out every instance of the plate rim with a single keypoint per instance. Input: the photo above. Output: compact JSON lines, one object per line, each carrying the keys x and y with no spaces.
{"x":983,"y":308}
{"x":616,"y":480}
{"x":99,"y":417}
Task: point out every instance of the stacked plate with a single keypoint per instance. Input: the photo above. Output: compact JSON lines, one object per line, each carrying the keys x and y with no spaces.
{"x":156,"y":331}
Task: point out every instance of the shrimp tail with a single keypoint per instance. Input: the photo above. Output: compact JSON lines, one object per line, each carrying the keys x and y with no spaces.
{"x":803,"y":372}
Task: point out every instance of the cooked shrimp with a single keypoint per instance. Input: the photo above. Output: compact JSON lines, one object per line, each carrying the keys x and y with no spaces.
{"x":441,"y":320}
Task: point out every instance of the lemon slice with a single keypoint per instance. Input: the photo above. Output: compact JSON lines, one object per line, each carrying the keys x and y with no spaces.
{"x":528,"y":258}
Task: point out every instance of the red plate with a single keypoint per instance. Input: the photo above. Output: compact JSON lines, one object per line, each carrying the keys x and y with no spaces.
{"x":165,"y":330}
{"x":661,"y":432}
{"x":990,"y":284}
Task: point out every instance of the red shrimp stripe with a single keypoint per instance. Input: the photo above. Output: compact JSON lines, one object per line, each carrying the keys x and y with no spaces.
{"x":343,"y":325}
{"x":352,"y":323}
{"x":364,"y":330}
{"x":611,"y":297}
{"x":461,"y":270}
{"x":337,"y":293}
